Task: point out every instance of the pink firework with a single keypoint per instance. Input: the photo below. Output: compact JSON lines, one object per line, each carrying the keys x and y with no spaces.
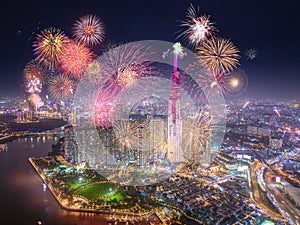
{"x":48,"y":46}
{"x":34,"y":76}
{"x":74,"y":59}
{"x":104,"y":105}
{"x":199,"y":28}
{"x":89,"y":30}
{"x":34,"y":85}
{"x":124,"y":55}
{"x":212,"y":85}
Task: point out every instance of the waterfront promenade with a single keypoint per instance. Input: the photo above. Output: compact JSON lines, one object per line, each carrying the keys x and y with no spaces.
{"x":111,"y":216}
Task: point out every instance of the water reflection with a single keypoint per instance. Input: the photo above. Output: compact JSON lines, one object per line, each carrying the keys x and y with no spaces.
{"x":23,"y":197}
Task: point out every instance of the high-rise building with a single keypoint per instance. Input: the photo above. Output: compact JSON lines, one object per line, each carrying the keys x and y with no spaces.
{"x":175,"y":153}
{"x":70,"y":145}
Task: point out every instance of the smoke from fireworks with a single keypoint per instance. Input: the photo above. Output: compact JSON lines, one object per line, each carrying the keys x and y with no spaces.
{"x":36,"y":100}
{"x":48,"y":46}
{"x":75,"y":59}
{"x":89,"y":30}
{"x":61,"y":87}
{"x":198,"y":28}
{"x":219,"y":55}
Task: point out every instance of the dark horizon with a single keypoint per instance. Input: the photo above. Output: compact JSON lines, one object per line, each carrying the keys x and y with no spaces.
{"x":268,"y":27}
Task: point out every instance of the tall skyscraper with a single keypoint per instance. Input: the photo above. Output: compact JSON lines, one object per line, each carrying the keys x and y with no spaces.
{"x":175,"y":153}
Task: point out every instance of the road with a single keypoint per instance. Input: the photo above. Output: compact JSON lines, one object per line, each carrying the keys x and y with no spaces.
{"x":256,"y":195}
{"x":290,"y":211}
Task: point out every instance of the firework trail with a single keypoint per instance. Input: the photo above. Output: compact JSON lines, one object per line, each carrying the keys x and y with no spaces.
{"x":89,"y":30}
{"x":219,"y":55}
{"x":198,"y":28}
{"x":61,"y":87}
{"x":48,"y":46}
{"x":74,"y":59}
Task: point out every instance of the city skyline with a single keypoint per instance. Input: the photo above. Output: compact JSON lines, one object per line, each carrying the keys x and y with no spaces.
{"x":267,"y":27}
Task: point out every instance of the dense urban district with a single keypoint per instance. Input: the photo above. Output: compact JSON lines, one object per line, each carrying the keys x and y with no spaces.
{"x":254,"y":177}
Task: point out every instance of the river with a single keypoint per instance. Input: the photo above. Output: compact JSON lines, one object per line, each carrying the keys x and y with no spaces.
{"x":23,"y":198}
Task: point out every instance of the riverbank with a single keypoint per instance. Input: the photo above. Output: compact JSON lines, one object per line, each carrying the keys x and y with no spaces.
{"x":6,"y":139}
{"x":111,"y":215}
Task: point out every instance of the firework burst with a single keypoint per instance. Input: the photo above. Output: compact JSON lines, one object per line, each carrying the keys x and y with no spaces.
{"x":197,"y":133}
{"x":74,"y":59}
{"x":236,"y":82}
{"x":34,"y":77}
{"x":124,"y":55}
{"x":219,"y":55}
{"x":93,"y":75}
{"x":33,"y":69}
{"x":198,"y":28}
{"x":251,"y":53}
{"x":126,"y":133}
{"x":48,"y":46}
{"x":89,"y":30}
{"x":211,"y":84}
{"x":61,"y":87}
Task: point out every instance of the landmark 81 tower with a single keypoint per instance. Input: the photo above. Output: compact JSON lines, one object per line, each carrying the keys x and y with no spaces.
{"x":175,"y":154}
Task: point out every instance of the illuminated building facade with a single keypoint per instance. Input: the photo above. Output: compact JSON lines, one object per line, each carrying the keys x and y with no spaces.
{"x":175,"y":154}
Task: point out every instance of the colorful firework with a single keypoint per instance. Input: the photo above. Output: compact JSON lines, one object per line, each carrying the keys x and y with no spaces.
{"x":121,"y":56}
{"x":89,"y":30}
{"x":74,"y":59}
{"x":34,"y":85}
{"x":48,"y":46}
{"x":93,"y":75}
{"x":33,"y":70}
{"x":34,"y":76}
{"x":211,"y":84}
{"x":126,"y":133}
{"x":219,"y":55}
{"x":127,"y":76}
{"x":199,"y":28}
{"x":103,"y":105}
{"x":61,"y":87}
{"x":236,"y":82}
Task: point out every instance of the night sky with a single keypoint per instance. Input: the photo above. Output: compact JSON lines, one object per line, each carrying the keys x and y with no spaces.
{"x":270,"y":27}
